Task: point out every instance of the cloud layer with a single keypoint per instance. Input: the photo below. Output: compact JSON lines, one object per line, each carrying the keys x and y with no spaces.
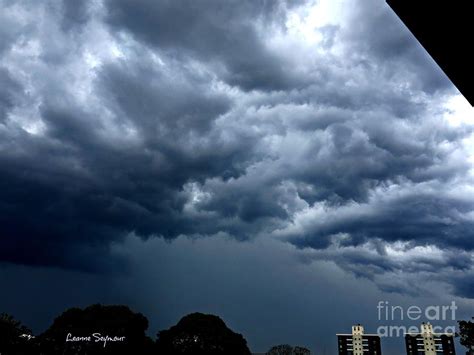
{"x":249,"y":119}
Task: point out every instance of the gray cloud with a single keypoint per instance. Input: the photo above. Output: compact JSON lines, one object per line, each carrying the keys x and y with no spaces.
{"x":9,"y":93}
{"x":75,"y":13}
{"x":383,"y":36}
{"x":229,"y":36}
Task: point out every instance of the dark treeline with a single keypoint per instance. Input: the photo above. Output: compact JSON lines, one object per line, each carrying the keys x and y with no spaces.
{"x":117,"y":330}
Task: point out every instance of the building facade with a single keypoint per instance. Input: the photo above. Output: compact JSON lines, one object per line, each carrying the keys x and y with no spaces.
{"x":359,"y":343}
{"x":429,"y":343}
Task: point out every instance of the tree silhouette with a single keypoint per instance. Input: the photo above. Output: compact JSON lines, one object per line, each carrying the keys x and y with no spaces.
{"x":15,"y":338}
{"x":285,"y":349}
{"x":282,"y":349}
{"x":466,"y":333}
{"x":299,"y":350}
{"x":201,"y":334}
{"x":85,"y":331}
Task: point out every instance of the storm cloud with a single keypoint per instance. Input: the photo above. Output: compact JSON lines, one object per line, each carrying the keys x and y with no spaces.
{"x":248,"y":119}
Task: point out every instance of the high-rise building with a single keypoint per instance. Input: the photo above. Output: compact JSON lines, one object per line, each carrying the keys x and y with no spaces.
{"x":359,"y":343}
{"x":429,"y":343}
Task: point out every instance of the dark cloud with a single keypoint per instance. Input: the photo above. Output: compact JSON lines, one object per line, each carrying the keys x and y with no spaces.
{"x":76,"y":190}
{"x":463,"y":286}
{"x":227,"y":35}
{"x":10,"y":92}
{"x":152,"y":100}
{"x":75,"y":13}
{"x":424,"y":218}
{"x":10,"y":29}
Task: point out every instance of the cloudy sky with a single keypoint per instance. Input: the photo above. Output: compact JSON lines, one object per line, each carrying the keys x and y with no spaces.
{"x":285,"y":165}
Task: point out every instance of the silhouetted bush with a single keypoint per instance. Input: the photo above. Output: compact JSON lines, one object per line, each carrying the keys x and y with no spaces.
{"x":285,"y":349}
{"x":201,"y":334}
{"x":466,"y":334}
{"x":116,"y":330}
{"x":15,"y":338}
{"x":97,"y":329}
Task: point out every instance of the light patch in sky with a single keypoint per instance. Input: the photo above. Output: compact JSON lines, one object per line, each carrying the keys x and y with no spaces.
{"x":306,"y":21}
{"x":460,"y":112}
